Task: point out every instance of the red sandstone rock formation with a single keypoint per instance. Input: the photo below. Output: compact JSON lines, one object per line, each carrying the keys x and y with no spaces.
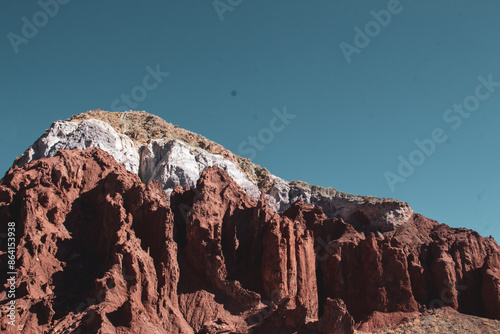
{"x":95,"y":249}
{"x":98,"y":251}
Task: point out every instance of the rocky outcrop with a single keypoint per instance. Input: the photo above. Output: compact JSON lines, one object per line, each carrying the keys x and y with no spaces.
{"x":336,"y":318}
{"x":249,"y":252}
{"x":99,"y":251}
{"x":170,"y":162}
{"x":160,"y":151}
{"x":89,"y":133}
{"x":365,"y":213}
{"x":95,"y":248}
{"x":173,"y":163}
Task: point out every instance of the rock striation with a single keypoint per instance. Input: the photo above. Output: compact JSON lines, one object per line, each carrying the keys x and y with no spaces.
{"x":98,"y":251}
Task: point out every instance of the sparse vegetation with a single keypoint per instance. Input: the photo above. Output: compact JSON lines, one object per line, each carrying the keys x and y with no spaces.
{"x":143,"y":127}
{"x":369,"y":199}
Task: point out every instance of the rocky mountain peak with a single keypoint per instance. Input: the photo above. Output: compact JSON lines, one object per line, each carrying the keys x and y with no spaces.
{"x":159,"y":151}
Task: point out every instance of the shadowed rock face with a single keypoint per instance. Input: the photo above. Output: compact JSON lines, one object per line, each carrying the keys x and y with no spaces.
{"x":98,"y":251}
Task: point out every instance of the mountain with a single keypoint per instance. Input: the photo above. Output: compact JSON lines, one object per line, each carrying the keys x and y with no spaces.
{"x":159,"y":151}
{"x":128,"y":224}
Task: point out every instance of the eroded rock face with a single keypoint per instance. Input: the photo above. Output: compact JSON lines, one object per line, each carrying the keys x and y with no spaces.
{"x":246,"y":250}
{"x":336,"y":319}
{"x":100,"y":251}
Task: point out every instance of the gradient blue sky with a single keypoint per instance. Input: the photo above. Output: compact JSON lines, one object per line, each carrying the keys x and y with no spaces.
{"x":352,"y":121}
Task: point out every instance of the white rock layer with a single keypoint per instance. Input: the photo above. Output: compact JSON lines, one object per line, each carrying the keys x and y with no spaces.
{"x":381,"y":214}
{"x":174,"y":163}
{"x":64,"y":135}
{"x":170,"y":162}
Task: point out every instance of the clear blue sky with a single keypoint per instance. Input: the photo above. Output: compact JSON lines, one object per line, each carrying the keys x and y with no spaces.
{"x":353,"y":120}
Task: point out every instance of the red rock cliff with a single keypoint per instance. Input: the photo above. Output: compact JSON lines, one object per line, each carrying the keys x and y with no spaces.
{"x":99,"y":251}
